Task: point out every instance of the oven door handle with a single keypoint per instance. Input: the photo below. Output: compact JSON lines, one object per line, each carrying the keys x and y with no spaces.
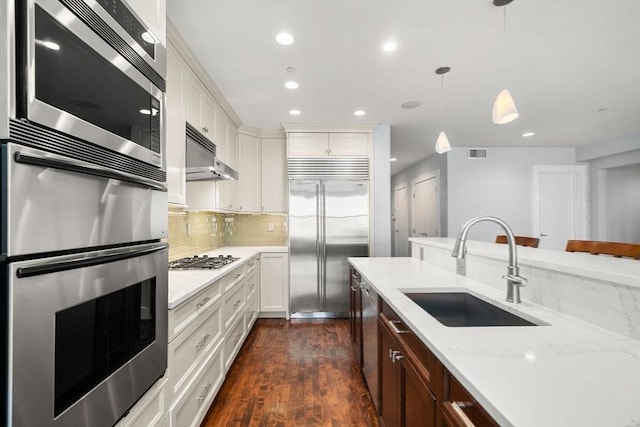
{"x":84,"y":260}
{"x":86,"y":168}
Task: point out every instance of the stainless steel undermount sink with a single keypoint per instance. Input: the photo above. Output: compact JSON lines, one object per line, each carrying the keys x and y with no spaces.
{"x":461,"y":309}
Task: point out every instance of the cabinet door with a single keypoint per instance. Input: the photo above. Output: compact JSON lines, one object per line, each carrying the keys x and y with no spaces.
{"x":250,"y":174}
{"x":221,"y":139}
{"x":418,"y":405}
{"x":390,"y":379}
{"x":303,"y":144}
{"x":227,"y":191}
{"x":274,"y":283}
{"x":348,"y":144}
{"x":274,"y":175}
{"x":193,"y":91}
{"x":208,"y":115}
{"x":175,"y":129}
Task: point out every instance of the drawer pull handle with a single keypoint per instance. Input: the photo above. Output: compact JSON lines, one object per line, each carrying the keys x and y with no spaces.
{"x":202,"y":342}
{"x":396,"y":355}
{"x":202,"y":302}
{"x":454,"y":410}
{"x":203,"y":396}
{"x":236,"y":305}
{"x":235,"y":276}
{"x":236,"y":337}
{"x":393,"y":324}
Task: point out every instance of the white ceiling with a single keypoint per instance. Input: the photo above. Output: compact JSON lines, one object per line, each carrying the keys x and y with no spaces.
{"x":565,"y":60}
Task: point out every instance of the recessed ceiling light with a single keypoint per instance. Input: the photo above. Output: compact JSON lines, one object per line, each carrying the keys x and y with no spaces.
{"x":294,"y":112}
{"x":359,"y":113}
{"x":414,"y":103}
{"x":291,"y":85}
{"x":393,"y":159}
{"x":389,"y":46}
{"x":526,"y":134}
{"x":284,"y":39}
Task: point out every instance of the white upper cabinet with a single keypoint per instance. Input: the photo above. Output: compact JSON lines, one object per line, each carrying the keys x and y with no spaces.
{"x":349,"y":144}
{"x":306,"y":144}
{"x":250,"y":176}
{"x":177,"y":71}
{"x":154,"y":14}
{"x":201,"y":109}
{"x":274,"y":175}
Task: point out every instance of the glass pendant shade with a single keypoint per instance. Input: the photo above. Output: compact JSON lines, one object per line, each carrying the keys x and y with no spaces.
{"x":442,"y":143}
{"x":504,"y":109}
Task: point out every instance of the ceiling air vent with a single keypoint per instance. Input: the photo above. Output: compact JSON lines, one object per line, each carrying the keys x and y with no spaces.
{"x":477,"y":153}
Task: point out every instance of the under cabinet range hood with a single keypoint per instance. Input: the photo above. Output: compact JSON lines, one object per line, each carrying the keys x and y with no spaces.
{"x":202,"y":163}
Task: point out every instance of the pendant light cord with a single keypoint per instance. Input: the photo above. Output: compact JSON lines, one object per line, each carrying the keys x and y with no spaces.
{"x":442,"y":103}
{"x":504,"y":45}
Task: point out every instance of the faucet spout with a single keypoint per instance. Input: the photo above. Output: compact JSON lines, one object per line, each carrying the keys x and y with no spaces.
{"x":514,"y":280}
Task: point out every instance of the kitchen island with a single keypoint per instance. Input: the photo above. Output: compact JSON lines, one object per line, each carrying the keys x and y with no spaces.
{"x":564,"y":372}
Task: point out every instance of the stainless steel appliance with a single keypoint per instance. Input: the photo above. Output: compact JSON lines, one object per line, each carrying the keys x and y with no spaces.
{"x":88,"y":334}
{"x":328,"y":222}
{"x":370,"y":340}
{"x":90,"y":69}
{"x":202,"y":262}
{"x":83,"y":331}
{"x":202,"y":163}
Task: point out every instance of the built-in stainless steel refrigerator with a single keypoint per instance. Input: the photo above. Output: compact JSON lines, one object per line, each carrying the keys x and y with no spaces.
{"x":328,"y":222}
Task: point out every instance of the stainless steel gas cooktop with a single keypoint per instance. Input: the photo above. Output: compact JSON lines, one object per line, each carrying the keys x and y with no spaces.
{"x":201,"y":262}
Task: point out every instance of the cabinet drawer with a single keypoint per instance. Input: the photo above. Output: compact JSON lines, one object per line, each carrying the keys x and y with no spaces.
{"x":190,"y":409}
{"x":308,"y":144}
{"x":187,"y":350}
{"x":233,"y":277}
{"x":184,"y":314}
{"x":430,"y":369}
{"x":233,"y":304}
{"x":149,"y":410}
{"x":251,"y":283}
{"x":232,"y":342}
{"x":460,"y":408}
{"x":252,"y":310}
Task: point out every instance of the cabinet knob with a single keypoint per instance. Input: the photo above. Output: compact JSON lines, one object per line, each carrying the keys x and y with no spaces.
{"x":205,"y":129}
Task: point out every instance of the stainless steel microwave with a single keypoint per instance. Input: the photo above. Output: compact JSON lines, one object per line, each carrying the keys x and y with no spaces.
{"x":91,"y":70}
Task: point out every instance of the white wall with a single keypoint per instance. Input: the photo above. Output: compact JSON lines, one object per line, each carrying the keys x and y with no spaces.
{"x":429,"y":164}
{"x":381,"y":190}
{"x":622,"y":205}
{"x":500,"y":185}
{"x":604,"y":158}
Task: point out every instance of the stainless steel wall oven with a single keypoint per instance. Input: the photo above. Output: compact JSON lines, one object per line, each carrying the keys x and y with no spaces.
{"x":83,"y":220}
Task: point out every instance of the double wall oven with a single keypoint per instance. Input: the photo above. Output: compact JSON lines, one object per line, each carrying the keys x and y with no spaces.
{"x":83,"y":217}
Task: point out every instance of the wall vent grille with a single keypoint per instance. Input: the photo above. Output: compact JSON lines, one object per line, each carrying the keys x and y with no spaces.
{"x":477,"y":153}
{"x":328,"y":167}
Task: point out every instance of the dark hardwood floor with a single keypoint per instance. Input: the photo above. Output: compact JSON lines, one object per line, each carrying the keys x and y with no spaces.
{"x":294,"y":373}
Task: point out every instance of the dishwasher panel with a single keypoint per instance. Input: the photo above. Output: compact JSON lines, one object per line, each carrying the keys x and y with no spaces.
{"x":370,"y":341}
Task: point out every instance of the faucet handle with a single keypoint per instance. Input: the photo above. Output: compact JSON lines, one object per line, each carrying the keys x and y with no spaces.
{"x":516,"y":279}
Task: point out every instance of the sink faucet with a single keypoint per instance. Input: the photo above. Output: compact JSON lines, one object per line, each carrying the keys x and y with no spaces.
{"x":514,"y":280}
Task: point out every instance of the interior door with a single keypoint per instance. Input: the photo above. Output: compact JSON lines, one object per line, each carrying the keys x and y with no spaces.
{"x":559,"y":204}
{"x":426,"y":206}
{"x":303,"y":245}
{"x":401,"y":221}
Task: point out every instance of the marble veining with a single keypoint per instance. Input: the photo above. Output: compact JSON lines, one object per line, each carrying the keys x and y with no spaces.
{"x":569,"y":372}
{"x":601,"y":290}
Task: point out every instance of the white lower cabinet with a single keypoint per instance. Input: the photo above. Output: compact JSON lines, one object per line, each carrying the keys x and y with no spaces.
{"x":191,"y":407}
{"x":150,"y":409}
{"x":232,"y":342}
{"x":274,"y":284}
{"x":190,"y":348}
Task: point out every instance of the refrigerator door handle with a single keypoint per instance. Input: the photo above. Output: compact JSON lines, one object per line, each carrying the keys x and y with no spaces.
{"x":318,"y":249}
{"x":323,"y":248}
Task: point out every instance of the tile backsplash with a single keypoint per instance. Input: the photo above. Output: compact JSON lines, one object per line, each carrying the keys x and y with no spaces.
{"x":196,"y":232}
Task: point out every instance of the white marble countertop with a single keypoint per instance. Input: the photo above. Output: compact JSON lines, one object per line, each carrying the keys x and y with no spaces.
{"x":625,"y":271}
{"x":565,"y":373}
{"x":183,"y":284}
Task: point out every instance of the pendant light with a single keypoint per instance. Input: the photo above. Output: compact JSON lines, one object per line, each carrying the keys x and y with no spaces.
{"x":442,"y":143}
{"x":504,"y":109}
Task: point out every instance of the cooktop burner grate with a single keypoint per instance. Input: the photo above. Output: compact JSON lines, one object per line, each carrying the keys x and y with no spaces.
{"x":201,"y":262}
